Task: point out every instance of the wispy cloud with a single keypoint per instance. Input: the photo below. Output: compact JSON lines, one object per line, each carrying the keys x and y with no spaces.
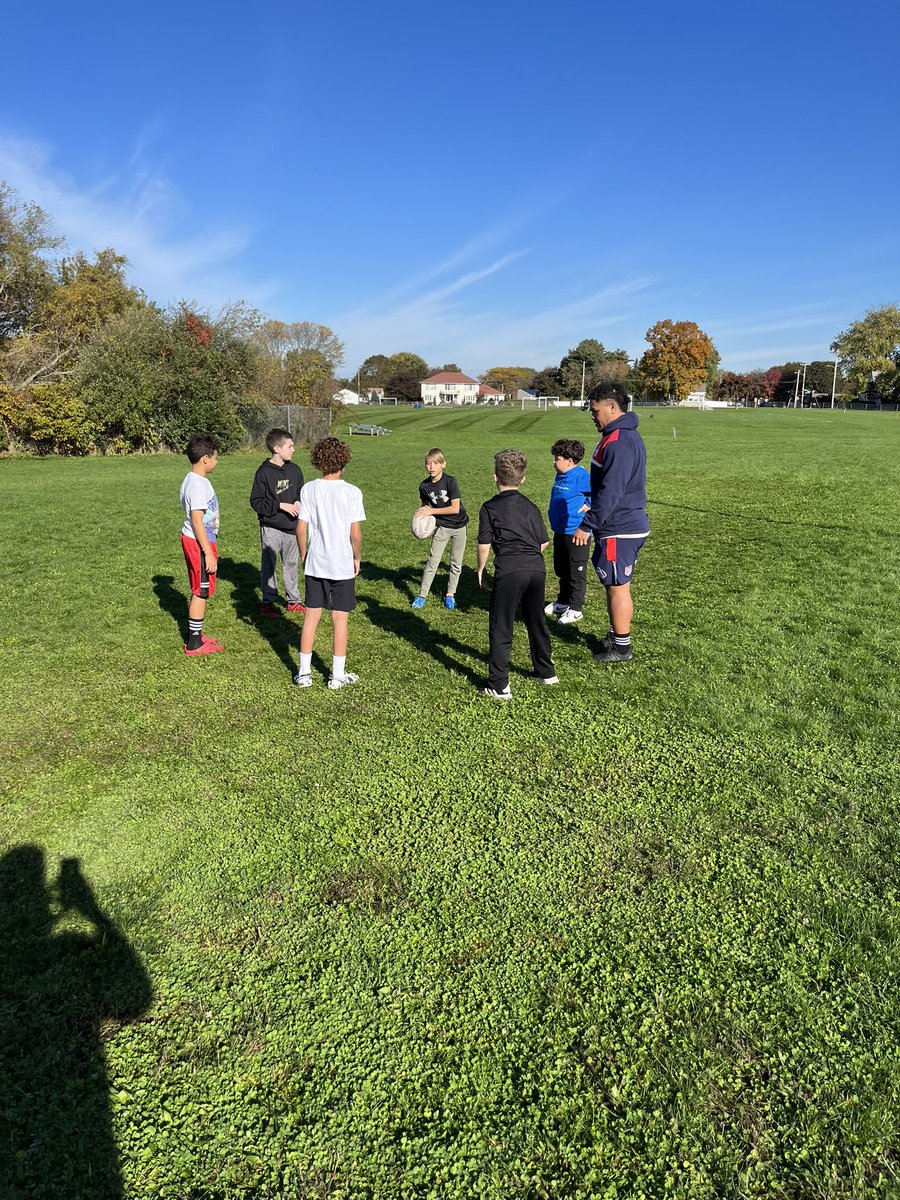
{"x":133,"y":211}
{"x":486,"y":328}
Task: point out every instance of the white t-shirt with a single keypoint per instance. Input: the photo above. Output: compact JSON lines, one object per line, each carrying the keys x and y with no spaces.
{"x":198,"y":492}
{"x":329,"y":507}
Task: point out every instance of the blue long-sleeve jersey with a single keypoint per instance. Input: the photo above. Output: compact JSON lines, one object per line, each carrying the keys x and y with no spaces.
{"x":619,"y":482}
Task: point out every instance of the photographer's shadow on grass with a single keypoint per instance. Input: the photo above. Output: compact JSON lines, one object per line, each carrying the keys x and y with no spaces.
{"x":64,"y":993}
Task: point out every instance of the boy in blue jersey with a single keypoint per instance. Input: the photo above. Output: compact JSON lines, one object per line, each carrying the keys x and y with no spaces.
{"x":570,"y":497}
{"x":618,"y":512}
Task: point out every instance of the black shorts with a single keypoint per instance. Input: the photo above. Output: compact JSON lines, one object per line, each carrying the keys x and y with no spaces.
{"x":337,"y":594}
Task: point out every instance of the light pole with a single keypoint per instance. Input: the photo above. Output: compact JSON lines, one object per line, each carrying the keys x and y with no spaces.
{"x":834,"y":381}
{"x":583,"y":365}
{"x":803,"y":395}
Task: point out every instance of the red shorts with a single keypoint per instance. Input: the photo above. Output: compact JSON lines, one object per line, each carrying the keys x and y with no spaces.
{"x":202,"y":583}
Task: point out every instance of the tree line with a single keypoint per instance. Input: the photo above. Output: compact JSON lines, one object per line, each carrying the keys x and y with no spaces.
{"x":89,"y":364}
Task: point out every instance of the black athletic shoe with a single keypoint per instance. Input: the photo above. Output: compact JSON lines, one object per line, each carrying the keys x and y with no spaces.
{"x":612,"y":654}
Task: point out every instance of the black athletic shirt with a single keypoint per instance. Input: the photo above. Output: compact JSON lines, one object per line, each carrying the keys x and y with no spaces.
{"x":439,"y":495}
{"x":515,"y":529}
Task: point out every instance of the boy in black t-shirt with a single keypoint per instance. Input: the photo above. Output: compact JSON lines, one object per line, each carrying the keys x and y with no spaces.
{"x":511,"y":526}
{"x":440,"y":498}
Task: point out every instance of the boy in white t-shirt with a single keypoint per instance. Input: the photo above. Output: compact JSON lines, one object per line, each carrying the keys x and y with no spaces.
{"x":329,"y":535}
{"x":199,"y":539}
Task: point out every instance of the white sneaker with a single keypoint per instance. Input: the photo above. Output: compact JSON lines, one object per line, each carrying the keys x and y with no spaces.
{"x":570,"y":616}
{"x":303,"y":680}
{"x":506,"y":694}
{"x":554,"y":609}
{"x":550,"y":681}
{"x":339,"y":681}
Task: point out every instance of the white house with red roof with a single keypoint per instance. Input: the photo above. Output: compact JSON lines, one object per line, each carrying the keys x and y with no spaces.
{"x":450,"y":387}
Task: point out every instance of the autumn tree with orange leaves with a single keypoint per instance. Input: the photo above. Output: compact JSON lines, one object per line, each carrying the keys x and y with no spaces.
{"x":681,"y":358}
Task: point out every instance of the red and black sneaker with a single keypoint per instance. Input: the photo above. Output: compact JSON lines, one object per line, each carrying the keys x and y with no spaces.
{"x":207,"y":646}
{"x":269,"y":610}
{"x":298,"y":607}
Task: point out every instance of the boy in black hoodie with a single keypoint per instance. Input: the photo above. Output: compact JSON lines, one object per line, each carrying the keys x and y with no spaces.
{"x":274,"y":498}
{"x":618,"y":514}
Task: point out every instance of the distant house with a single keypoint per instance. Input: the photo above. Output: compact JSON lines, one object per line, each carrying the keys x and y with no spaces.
{"x":347,"y":396}
{"x":450,"y":387}
{"x":374,"y":395}
{"x":526,"y":394}
{"x":489,"y":395}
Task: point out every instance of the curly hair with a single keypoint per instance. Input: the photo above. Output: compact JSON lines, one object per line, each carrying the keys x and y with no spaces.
{"x":510,"y":467}
{"x":330,"y":455}
{"x":567,"y":448}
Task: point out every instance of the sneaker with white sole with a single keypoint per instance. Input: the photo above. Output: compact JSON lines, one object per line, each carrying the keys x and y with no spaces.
{"x":303,"y":680}
{"x":339,"y":681}
{"x":555,"y":609}
{"x":505,"y":694}
{"x":570,"y":616}
{"x":550,"y":680}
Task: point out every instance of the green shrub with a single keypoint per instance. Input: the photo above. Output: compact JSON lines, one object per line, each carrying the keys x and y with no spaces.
{"x":47,"y":419}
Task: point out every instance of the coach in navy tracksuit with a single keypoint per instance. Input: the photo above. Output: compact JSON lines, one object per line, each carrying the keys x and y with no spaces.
{"x":618,"y":514}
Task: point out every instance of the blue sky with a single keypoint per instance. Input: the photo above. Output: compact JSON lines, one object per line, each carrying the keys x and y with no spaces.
{"x":486,"y":183}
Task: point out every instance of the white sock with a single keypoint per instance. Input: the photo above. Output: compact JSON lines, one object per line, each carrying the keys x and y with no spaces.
{"x":338,"y":665}
{"x":306,"y":664}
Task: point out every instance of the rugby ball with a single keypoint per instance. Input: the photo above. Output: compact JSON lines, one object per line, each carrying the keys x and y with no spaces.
{"x":423,"y":527}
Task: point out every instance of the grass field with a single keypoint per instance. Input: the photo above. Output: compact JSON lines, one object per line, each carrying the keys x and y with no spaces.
{"x":635,"y":936}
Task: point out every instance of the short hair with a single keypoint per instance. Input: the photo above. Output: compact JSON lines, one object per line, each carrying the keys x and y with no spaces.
{"x":510,"y":467}
{"x":330,"y":455}
{"x":277,"y":437}
{"x":200,"y":445}
{"x":568,"y":448}
{"x":436,"y":455}
{"x":609,"y":391}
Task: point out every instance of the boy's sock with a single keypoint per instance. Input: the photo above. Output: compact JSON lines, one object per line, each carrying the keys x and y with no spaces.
{"x":195,"y":629}
{"x":621,"y":641}
{"x":306,"y":664}
{"x":338,"y":666}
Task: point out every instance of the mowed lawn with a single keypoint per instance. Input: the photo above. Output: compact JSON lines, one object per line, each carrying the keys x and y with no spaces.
{"x":634,"y":936}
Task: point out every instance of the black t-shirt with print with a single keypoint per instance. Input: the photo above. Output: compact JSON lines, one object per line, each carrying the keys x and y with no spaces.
{"x":439,"y":495}
{"x":514,"y":527}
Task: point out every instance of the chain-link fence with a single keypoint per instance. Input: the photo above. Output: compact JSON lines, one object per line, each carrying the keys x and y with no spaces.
{"x":306,"y":425}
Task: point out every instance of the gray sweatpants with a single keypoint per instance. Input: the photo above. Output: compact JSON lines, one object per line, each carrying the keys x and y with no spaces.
{"x":275,"y":542}
{"x":457,"y":540}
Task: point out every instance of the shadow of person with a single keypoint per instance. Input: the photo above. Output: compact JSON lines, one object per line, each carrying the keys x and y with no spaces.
{"x":281,"y":634}
{"x":172,"y":601}
{"x":405,"y":623}
{"x":406,"y":581}
{"x":62,"y":994}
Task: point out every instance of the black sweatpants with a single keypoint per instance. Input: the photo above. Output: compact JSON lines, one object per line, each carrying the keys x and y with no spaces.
{"x":525,"y":588}
{"x":570,"y":564}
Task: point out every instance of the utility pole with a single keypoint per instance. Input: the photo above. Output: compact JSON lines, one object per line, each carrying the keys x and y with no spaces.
{"x":834,"y":381}
{"x":803,"y":396}
{"x":796,"y":387}
{"x":582,"y":383}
